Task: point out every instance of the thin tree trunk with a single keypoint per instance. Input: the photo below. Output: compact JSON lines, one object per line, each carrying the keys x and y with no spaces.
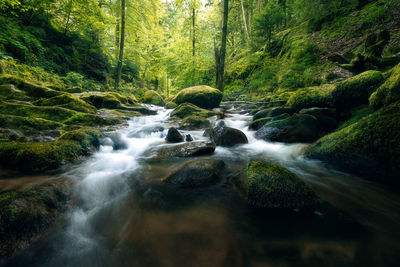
{"x":258,"y":7}
{"x":194,"y":32}
{"x":220,"y":55}
{"x":246,"y":30}
{"x":121,"y":46}
{"x":68,"y":17}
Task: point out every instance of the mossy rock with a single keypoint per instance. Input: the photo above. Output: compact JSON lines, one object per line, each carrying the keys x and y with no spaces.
{"x":152,"y":97}
{"x":92,"y":120}
{"x":9,"y":91}
{"x":269,"y":185}
{"x":325,"y":116}
{"x":57,"y":114}
{"x":27,"y":123}
{"x":187,"y":109}
{"x":106,"y":100}
{"x":194,"y":122}
{"x":272,"y":112}
{"x":196,"y":173}
{"x":67,"y":101}
{"x":30,"y":89}
{"x":29,"y":157}
{"x":369,"y":148}
{"x":27,"y":214}
{"x":257,"y":124}
{"x":202,"y":96}
{"x":389,"y":92}
{"x":356,"y":90}
{"x":171,"y":105}
{"x":300,"y":128}
{"x":317,"y":96}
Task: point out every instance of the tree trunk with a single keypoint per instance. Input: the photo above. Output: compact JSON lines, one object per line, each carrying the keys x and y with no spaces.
{"x":246,"y":30}
{"x":121,"y":45}
{"x":258,"y":7}
{"x":220,"y":53}
{"x":68,"y":17}
{"x":194,"y":32}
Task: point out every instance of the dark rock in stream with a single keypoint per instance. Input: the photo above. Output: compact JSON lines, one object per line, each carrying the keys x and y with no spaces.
{"x":226,"y":136}
{"x":197,"y":173}
{"x":188,"y":138}
{"x":189,"y":149}
{"x":325,"y":116}
{"x":174,"y":136}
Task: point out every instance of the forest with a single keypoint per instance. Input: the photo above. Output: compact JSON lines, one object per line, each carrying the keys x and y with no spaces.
{"x":199,"y":133}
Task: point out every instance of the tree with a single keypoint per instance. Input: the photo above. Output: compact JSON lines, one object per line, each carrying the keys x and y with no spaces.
{"x":121,"y":45}
{"x":221,"y":51}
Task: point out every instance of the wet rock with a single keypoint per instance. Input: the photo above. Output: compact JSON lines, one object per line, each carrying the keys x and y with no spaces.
{"x":197,"y":173}
{"x":119,"y":143}
{"x":188,"y":138}
{"x":272,"y":112}
{"x":189,"y":149}
{"x":146,"y":131}
{"x":257,"y":124}
{"x":269,"y":185}
{"x":300,"y":128}
{"x":13,"y":135}
{"x":226,"y":136}
{"x":220,"y":124}
{"x":325,"y":116}
{"x":194,"y":122}
{"x":174,"y":136}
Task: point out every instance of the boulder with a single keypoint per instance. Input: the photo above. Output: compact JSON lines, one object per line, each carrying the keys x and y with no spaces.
{"x":316,"y":96}
{"x":194,"y":122}
{"x":369,"y":148}
{"x":298,"y":128}
{"x":152,"y":97}
{"x":189,"y":149}
{"x":226,"y":136}
{"x":325,"y":116}
{"x":272,"y":112}
{"x":187,"y":109}
{"x":174,"y":136}
{"x":269,"y":185}
{"x":188,"y":138}
{"x":197,"y":173}
{"x":257,"y":124}
{"x":389,"y":92}
{"x":171,"y":105}
{"x":202,"y":96}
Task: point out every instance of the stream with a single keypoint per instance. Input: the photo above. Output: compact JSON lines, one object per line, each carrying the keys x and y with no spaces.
{"x":121,"y":219}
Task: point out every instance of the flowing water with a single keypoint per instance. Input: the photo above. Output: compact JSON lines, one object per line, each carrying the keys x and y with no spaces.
{"x":122,"y":219}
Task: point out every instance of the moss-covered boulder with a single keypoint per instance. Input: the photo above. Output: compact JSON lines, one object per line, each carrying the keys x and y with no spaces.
{"x":29,"y":88}
{"x":272,"y":112}
{"x":317,"y":96}
{"x":389,"y":92}
{"x":67,"y":101}
{"x":31,"y":157}
{"x":300,"y":128}
{"x":356,"y":90}
{"x":325,"y":116}
{"x":269,"y":185}
{"x":187,"y":109}
{"x":27,"y":215}
{"x":9,"y":91}
{"x":27,"y":123}
{"x":194,"y":122}
{"x":196,"y":173}
{"x":100,"y":100}
{"x":257,"y":124}
{"x":85,"y":119}
{"x":369,"y":148}
{"x":202,"y":96}
{"x":152,"y":97}
{"x":227,"y":136}
{"x":171,"y":105}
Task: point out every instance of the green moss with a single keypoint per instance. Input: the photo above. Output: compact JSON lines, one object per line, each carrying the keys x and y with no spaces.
{"x":356,"y":115}
{"x":318,"y":96}
{"x":91,"y":120}
{"x":99,"y":100}
{"x":257,"y":124}
{"x":389,"y":92}
{"x":123,"y":113}
{"x":201,"y":96}
{"x":269,"y":185}
{"x":27,"y":123}
{"x":39,"y":157}
{"x":67,"y":101}
{"x":170,"y":105}
{"x":30,"y":89}
{"x":356,"y":90}
{"x":187,"y":109}
{"x":9,"y":91}
{"x":57,"y":114}
{"x":370,"y":147}
{"x":152,"y":97}
{"x":194,"y":122}
{"x":124,"y":99}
